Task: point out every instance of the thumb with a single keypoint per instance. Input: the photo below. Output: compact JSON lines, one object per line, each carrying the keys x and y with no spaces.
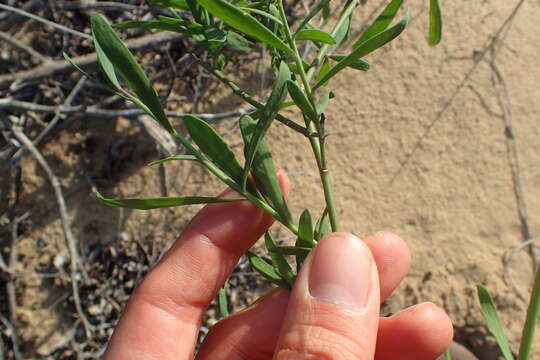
{"x":333,"y":311}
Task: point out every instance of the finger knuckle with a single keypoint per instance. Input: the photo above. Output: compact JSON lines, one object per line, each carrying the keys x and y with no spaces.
{"x":320,"y":342}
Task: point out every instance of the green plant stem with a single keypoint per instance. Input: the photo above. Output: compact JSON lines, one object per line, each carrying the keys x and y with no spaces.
{"x":317,"y":144}
{"x":250,"y":100}
{"x":533,"y":310}
{"x":230,"y":183}
{"x":349,"y":7}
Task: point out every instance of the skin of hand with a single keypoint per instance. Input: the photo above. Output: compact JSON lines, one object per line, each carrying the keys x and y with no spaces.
{"x":332,"y":312}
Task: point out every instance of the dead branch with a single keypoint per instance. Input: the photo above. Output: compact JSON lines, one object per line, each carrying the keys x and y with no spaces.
{"x":84,"y":61}
{"x":45,"y":21}
{"x":76,"y":264}
{"x":9,"y":103}
{"x":17,"y":44}
{"x":9,"y":21}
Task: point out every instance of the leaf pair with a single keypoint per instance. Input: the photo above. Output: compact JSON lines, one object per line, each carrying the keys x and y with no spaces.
{"x":114,"y":56}
{"x":376,"y":35}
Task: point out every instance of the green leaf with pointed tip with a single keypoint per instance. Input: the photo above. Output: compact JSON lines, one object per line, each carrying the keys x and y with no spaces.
{"x":268,"y":115}
{"x":279,"y":260}
{"x":174,"y":158}
{"x":365,"y":48}
{"x":105,"y":63}
{"x":291,"y":250}
{"x":238,"y":42}
{"x":381,"y":23}
{"x":315,"y":35}
{"x":314,"y":11}
{"x":174,"y":4}
{"x":295,"y":69}
{"x":301,"y":100}
{"x":305,"y":236}
{"x":263,"y":14}
{"x":156,"y":203}
{"x":236,"y":18}
{"x":264,"y":171}
{"x":213,"y":146}
{"x":492,"y":320}
{"x":223,"y":302}
{"x":341,"y":34}
{"x":90,"y":77}
{"x":124,"y":63}
{"x":435,"y":23}
{"x":323,"y":71}
{"x":266,"y":270}
{"x":359,"y":64}
{"x":322,"y":228}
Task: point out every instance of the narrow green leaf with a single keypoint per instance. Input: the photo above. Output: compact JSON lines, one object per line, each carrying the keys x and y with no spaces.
{"x":279,"y":260}
{"x":381,"y":23}
{"x":266,"y":270}
{"x":435,"y":23}
{"x":322,"y":228}
{"x":174,"y":4}
{"x":341,"y":34}
{"x":314,"y":11}
{"x":305,"y":236}
{"x":323,"y":71}
{"x":268,"y":115}
{"x":263,"y":14}
{"x":90,"y":77}
{"x":105,"y":63}
{"x":295,"y":69}
{"x":223,"y":302}
{"x":291,"y":250}
{"x":213,"y":146}
{"x":124,"y":63}
{"x":359,"y":64}
{"x":174,"y":158}
{"x":264,"y":171}
{"x":493,"y":322}
{"x":243,"y":22}
{"x":200,"y":14}
{"x":156,"y":203}
{"x":301,"y":100}
{"x":365,"y":48}
{"x":315,"y":35}
{"x":238,"y":42}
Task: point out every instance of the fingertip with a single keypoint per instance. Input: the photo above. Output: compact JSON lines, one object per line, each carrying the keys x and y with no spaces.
{"x":393,"y":258}
{"x":422,"y":332}
{"x":284,"y":182}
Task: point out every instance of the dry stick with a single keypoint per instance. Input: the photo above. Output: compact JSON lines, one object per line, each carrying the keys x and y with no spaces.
{"x":60,"y":66}
{"x":45,"y":21}
{"x":9,"y":103}
{"x":16,"y":43}
{"x":12,"y":330}
{"x":72,"y":247}
{"x":13,"y":19}
{"x":51,"y":125}
{"x":510,"y":261}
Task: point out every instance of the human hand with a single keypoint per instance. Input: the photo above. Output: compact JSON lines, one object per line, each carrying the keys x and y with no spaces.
{"x":332,"y":312}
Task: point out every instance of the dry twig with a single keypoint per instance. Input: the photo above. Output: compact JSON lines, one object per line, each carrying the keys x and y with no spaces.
{"x":76,"y":264}
{"x":84,"y":61}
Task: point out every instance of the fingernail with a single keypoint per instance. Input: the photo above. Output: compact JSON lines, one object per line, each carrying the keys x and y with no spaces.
{"x":341,"y":271}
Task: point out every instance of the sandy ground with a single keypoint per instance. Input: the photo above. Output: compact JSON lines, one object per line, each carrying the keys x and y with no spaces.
{"x":419,"y":147}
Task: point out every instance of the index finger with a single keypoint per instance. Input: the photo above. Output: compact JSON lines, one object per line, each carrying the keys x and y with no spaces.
{"x":162,"y":319}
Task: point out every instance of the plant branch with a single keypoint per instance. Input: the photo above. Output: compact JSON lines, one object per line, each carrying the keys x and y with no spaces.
{"x":250,"y":100}
{"x":229,"y":182}
{"x":317,"y":144}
